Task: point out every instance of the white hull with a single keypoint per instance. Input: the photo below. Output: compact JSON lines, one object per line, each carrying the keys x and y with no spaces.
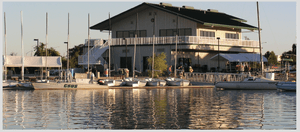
{"x":110,"y":82}
{"x":72,"y":85}
{"x":177,"y":82}
{"x":249,"y":84}
{"x":133,"y":82}
{"x":288,"y":86}
{"x":155,"y":82}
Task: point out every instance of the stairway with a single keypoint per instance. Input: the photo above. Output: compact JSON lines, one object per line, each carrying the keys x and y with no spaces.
{"x":95,"y":55}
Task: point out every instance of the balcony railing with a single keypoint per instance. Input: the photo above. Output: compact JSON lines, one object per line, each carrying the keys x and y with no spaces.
{"x":185,"y":40}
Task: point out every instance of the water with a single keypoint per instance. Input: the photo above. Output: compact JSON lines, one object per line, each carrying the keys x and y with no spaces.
{"x":185,"y":108}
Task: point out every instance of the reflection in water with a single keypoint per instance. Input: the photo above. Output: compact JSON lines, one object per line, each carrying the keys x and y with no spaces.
{"x":185,"y":108}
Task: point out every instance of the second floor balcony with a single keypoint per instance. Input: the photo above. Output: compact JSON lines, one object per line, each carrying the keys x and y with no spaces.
{"x":185,"y":40}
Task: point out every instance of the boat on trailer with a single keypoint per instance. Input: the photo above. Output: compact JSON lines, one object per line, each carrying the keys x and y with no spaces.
{"x":249,"y":83}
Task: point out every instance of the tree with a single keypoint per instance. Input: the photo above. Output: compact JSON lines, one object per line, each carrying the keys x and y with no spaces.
{"x":267,"y":54}
{"x":73,"y":54}
{"x":159,"y":64}
{"x":41,"y":51}
{"x":272,"y":59}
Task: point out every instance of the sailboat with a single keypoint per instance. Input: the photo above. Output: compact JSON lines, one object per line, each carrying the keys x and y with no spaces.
{"x":80,"y":83}
{"x":131,"y":81}
{"x":256,"y":83}
{"x":173,"y":81}
{"x":153,"y":81}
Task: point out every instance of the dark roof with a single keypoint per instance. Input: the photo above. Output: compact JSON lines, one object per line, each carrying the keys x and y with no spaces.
{"x":208,"y":18}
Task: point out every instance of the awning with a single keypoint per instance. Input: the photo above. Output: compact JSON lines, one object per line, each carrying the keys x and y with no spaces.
{"x":240,"y":57}
{"x":33,"y":61}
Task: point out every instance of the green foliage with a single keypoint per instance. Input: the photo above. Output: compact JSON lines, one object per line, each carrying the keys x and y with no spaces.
{"x":41,"y":51}
{"x":73,"y":54}
{"x":159,"y":64}
{"x":272,"y":59}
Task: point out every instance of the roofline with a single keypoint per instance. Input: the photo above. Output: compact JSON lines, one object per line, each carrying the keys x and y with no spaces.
{"x":178,"y":14}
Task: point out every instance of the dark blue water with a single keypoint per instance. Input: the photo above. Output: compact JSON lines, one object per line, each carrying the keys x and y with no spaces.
{"x":186,"y":108}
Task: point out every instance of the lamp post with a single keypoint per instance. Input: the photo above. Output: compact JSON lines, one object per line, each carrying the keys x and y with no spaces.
{"x":67,"y":58}
{"x":218,"y":55}
{"x":37,"y":53}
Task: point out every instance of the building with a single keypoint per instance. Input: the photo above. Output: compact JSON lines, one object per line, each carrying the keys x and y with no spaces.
{"x":198,"y":32}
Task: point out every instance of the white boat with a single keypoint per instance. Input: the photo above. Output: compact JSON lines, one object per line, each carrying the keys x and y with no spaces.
{"x":287,"y":86}
{"x":110,"y":82}
{"x":134,"y":82}
{"x":250,"y":83}
{"x":155,"y":82}
{"x":171,"y":81}
{"x":78,"y":84}
{"x":9,"y":83}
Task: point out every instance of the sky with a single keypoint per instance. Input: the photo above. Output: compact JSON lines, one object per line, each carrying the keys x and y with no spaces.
{"x":277,"y":21}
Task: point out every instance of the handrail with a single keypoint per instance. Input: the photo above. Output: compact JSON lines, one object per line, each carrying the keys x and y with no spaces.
{"x":186,"y":40}
{"x":214,"y":77}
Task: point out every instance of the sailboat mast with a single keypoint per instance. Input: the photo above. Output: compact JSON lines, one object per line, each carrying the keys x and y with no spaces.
{"x":153,"y":46}
{"x":46,"y":43}
{"x":22,"y":45}
{"x":260,"y":47}
{"x":135,"y":37}
{"x":176,"y":46}
{"x":109,"y":41}
{"x":5,"y":48}
{"x":88,"y":42}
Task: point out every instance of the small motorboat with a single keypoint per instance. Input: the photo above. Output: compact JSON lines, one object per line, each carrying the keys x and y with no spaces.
{"x":155,"y":82}
{"x":134,"y":82}
{"x":171,"y":81}
{"x":249,"y":83}
{"x":110,"y":82}
{"x":287,"y":86}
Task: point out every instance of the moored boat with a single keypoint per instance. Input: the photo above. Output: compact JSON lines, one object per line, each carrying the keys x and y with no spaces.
{"x":134,"y":82}
{"x":177,"y":82}
{"x":78,"y":84}
{"x":155,"y":82}
{"x":250,"y":83}
{"x":287,"y":86}
{"x":110,"y":82}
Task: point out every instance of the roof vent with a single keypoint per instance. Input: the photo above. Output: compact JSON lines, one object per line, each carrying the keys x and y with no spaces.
{"x":212,"y":10}
{"x":165,"y":4}
{"x":187,"y":7}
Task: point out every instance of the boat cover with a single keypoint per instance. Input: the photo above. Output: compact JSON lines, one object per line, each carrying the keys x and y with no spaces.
{"x":240,"y":57}
{"x":33,"y":61}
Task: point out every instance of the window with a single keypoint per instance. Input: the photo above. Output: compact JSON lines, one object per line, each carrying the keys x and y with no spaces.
{"x":131,"y":34}
{"x":232,"y":36}
{"x":172,"y":32}
{"x":207,"y":34}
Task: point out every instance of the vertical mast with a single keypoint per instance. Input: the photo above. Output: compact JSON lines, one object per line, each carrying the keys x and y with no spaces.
{"x":46,"y":43}
{"x":22,"y":45}
{"x":5,"y":49}
{"x":109,"y":41}
{"x":89,"y":43}
{"x":68,"y":46}
{"x":260,"y":47}
{"x":153,"y":45}
{"x":134,"y":52}
{"x":176,"y":46}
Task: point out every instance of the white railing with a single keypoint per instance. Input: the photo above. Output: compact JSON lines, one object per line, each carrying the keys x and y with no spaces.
{"x":214,"y":77}
{"x":185,"y":40}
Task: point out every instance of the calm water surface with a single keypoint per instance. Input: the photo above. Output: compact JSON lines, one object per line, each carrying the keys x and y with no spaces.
{"x":185,"y":108}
